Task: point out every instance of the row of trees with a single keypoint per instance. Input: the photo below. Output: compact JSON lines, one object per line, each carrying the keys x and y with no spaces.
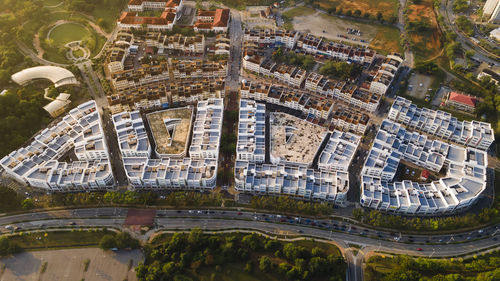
{"x":122,"y":240}
{"x":191,"y":252}
{"x":175,"y":199}
{"x":290,"y":205}
{"x":423,"y":269}
{"x":358,"y":14}
{"x":379,"y":219}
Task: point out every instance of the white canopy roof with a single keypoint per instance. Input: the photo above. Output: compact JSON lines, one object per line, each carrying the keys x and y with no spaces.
{"x":58,"y":75}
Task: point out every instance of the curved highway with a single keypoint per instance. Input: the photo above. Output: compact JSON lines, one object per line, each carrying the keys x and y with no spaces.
{"x":341,"y":233}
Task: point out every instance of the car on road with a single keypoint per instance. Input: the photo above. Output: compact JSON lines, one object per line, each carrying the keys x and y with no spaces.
{"x":419,"y":249}
{"x":240,"y":213}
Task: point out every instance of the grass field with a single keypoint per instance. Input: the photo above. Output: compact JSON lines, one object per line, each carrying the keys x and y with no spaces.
{"x":381,"y":268}
{"x":298,"y":12}
{"x":388,"y":8}
{"x":387,"y":40}
{"x":51,"y":2}
{"x":78,"y":53}
{"x":68,"y":32}
{"x":58,"y":239}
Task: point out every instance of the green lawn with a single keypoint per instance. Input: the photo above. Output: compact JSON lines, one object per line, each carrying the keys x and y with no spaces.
{"x":387,"y":40}
{"x":68,"y":32}
{"x":234,"y":271}
{"x":78,"y":53}
{"x":51,"y":2}
{"x":109,"y":15}
{"x":55,"y":239}
{"x":298,"y":11}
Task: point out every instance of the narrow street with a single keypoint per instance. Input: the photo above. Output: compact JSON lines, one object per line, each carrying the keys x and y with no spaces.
{"x":91,"y":79}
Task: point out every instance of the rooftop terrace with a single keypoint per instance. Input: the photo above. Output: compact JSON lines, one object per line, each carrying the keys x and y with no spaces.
{"x":293,"y":139}
{"x":170,"y":129}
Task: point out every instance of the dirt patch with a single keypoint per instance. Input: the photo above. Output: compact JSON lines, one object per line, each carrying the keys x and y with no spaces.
{"x":70,"y":265}
{"x":419,"y":12}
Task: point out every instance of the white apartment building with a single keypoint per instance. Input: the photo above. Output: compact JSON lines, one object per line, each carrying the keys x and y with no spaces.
{"x":207,"y":130}
{"x":38,"y":163}
{"x":251,"y":132}
{"x":131,"y":134}
{"x":339,"y":151}
{"x":386,"y":73}
{"x":292,"y":180}
{"x":442,"y":124}
{"x":172,"y":168}
{"x":465,"y":177}
{"x":491,"y":9}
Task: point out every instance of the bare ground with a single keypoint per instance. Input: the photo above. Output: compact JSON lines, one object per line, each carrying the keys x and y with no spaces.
{"x":68,"y":264}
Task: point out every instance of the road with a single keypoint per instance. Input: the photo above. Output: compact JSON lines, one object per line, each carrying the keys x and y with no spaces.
{"x":446,"y":9}
{"x":236,"y":36}
{"x":96,"y":91}
{"x":409,"y":59}
{"x":343,"y":234}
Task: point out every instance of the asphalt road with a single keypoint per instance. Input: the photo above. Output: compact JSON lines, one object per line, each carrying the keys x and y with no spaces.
{"x":342,"y":233}
{"x":446,"y":9}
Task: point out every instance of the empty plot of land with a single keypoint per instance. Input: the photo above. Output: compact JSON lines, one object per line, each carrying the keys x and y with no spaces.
{"x":388,"y":8}
{"x":252,"y":18}
{"x":381,"y":38}
{"x":425,"y":43}
{"x":170,"y":129}
{"x":418,"y":85}
{"x":294,"y":139}
{"x":69,"y":264}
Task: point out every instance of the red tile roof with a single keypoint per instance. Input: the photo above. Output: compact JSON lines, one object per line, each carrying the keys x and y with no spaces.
{"x":463,"y":99}
{"x":220,"y":18}
{"x":169,"y":3}
{"x":166,"y":17}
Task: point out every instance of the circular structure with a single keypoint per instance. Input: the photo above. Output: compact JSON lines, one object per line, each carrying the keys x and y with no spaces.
{"x":77,"y":52}
{"x":67,"y":32}
{"x":57,"y":75}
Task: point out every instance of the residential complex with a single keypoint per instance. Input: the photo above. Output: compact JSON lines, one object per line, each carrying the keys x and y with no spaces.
{"x":463,"y":183}
{"x":286,"y":166}
{"x":72,"y":155}
{"x":364,"y":95}
{"x":442,"y":124}
{"x":172,"y":164}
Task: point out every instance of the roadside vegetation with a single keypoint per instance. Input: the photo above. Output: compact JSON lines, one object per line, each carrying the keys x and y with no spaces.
{"x":20,"y":241}
{"x":198,"y":256}
{"x":484,"y":268}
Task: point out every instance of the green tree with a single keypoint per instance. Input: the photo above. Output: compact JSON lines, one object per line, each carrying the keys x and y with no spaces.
{"x":107,"y":242}
{"x":265,"y":264}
